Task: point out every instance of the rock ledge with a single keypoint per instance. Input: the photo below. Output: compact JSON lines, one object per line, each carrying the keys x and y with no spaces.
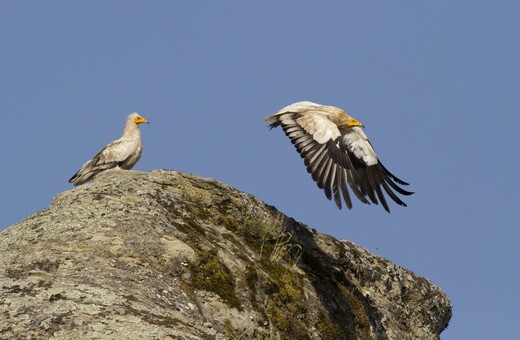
{"x":167,"y":255}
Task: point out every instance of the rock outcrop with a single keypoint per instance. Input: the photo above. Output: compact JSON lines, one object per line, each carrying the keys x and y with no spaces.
{"x":167,"y":255}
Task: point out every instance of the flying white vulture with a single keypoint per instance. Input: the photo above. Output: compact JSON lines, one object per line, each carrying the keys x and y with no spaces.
{"x":122,"y":153}
{"x":337,"y":152}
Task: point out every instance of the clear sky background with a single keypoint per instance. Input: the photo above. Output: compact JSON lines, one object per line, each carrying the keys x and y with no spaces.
{"x":436,"y":84}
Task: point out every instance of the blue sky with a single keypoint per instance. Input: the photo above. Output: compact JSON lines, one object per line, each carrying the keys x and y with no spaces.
{"x":435,"y":83}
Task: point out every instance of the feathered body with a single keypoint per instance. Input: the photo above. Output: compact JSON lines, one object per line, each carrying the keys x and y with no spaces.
{"x":337,"y":152}
{"x":122,"y":153}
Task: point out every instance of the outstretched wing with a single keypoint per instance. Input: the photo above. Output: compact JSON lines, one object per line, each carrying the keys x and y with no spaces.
{"x":370,"y":172}
{"x":111,"y":156}
{"x":320,"y":144}
{"x":337,"y":159}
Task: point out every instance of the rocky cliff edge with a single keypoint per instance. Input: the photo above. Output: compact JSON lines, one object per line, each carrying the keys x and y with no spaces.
{"x":167,"y":255}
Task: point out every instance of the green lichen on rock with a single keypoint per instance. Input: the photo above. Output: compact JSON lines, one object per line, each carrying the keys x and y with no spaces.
{"x":359,"y":314}
{"x":277,"y":291}
{"x":267,"y":237}
{"x":252,"y":280}
{"x":210,"y":274}
{"x":327,"y":328}
{"x":231,"y":331}
{"x":285,"y":288}
{"x":286,"y":302}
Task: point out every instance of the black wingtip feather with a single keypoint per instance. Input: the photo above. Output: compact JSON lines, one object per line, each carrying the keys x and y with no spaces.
{"x":392,"y":176}
{"x":334,"y":170}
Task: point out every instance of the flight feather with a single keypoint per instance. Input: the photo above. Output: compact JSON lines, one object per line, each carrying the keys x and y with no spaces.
{"x":338,"y":154}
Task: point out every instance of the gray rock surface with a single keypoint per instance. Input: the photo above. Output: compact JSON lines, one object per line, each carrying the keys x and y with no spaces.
{"x":167,"y":255}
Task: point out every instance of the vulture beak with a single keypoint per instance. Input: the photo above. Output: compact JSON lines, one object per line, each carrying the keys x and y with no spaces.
{"x":354,"y":122}
{"x":139,"y":120}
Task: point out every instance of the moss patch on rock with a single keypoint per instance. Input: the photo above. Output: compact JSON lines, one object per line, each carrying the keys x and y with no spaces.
{"x":210,"y":274}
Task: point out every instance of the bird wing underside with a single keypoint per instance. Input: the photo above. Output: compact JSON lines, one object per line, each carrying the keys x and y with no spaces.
{"x":327,"y":162}
{"x":333,"y":165}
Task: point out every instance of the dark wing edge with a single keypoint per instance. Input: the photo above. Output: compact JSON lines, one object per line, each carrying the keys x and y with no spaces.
{"x":93,"y":167}
{"x":328,"y":163}
{"x":377,"y":176}
{"x":332,"y":166}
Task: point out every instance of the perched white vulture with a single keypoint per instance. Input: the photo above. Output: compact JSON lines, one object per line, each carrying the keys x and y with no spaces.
{"x":337,"y":152}
{"x":122,"y":153}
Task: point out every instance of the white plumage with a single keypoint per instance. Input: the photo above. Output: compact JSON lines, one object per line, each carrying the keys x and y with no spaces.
{"x":122,"y":153}
{"x":337,"y":152}
{"x":356,"y":141}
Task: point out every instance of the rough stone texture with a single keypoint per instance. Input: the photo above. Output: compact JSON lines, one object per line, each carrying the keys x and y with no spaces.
{"x":167,"y":255}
